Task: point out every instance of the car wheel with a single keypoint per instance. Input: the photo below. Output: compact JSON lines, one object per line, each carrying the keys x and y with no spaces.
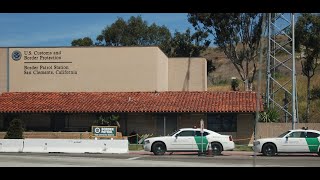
{"x":158,"y":148}
{"x":269,"y":149}
{"x":216,"y":148}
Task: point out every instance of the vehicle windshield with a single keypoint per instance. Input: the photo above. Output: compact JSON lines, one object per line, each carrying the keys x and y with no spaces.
{"x":283,"y":134}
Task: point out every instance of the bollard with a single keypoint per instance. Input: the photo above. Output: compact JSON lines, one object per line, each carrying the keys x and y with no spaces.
{"x":137,"y":136}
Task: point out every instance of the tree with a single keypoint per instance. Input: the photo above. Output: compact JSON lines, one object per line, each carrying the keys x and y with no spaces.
{"x":308,"y":37}
{"x":86,"y":41}
{"x":210,"y":66}
{"x":190,"y":45}
{"x":270,"y":115}
{"x":234,"y":84}
{"x":112,"y":120}
{"x":160,"y":36}
{"x":187,"y":45}
{"x":135,"y":32}
{"x":15,"y":130}
{"x":237,"y":34}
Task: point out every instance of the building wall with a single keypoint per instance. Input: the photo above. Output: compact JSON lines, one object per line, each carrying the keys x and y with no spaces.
{"x":3,"y":69}
{"x":1,"y":121}
{"x":36,"y":120}
{"x":147,"y":124}
{"x":141,"y":123}
{"x":80,"y":121}
{"x":245,"y":128}
{"x":187,"y":74}
{"x":95,"y":69}
{"x":162,"y":71}
{"x":188,"y":120}
{"x":110,"y":69}
{"x":265,"y":130}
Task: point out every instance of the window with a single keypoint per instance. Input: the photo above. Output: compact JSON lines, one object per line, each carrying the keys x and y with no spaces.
{"x":283,"y":134}
{"x":296,"y":135}
{"x":198,"y":133}
{"x":186,"y":133}
{"x":222,"y":122}
{"x":312,"y":135}
{"x":166,"y":123}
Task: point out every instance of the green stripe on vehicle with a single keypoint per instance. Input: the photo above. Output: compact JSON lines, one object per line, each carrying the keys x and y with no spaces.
{"x":313,"y":144}
{"x":198,"y":141}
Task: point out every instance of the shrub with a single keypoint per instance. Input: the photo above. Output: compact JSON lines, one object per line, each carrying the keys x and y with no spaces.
{"x":315,"y":93}
{"x":271,"y":115}
{"x":235,"y":84}
{"x":277,"y":75}
{"x":15,"y":130}
{"x":304,"y":117}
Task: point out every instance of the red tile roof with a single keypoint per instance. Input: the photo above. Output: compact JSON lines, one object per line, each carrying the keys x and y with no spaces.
{"x":92,"y":102}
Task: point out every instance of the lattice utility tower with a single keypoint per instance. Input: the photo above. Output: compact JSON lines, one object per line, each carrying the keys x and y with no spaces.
{"x":281,"y":72}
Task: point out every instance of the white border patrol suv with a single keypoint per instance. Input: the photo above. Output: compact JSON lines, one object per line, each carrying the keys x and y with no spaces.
{"x":189,"y":140}
{"x":292,"y":141}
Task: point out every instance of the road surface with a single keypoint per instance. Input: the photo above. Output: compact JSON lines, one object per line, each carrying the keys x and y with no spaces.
{"x":140,"y":159}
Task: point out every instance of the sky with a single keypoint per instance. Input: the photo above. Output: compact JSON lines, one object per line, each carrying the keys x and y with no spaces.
{"x":59,"y":29}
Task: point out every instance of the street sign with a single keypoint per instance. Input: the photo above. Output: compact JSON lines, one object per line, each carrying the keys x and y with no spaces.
{"x":202,"y":125}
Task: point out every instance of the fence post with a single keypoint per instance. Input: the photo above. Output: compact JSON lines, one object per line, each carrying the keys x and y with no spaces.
{"x":137,"y":136}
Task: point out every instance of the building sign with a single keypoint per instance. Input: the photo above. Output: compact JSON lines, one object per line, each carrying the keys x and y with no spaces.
{"x":109,"y":131}
{"x":202,"y":125}
{"x":83,"y":69}
{"x":44,"y":62}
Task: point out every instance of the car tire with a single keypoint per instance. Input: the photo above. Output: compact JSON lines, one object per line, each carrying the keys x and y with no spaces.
{"x":216,"y":148}
{"x":269,"y":149}
{"x":158,"y":148}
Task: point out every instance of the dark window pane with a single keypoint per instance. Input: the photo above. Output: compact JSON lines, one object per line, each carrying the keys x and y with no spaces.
{"x":198,"y":133}
{"x":312,"y":135}
{"x":222,"y":122}
{"x":296,"y":135}
{"x":186,"y":133}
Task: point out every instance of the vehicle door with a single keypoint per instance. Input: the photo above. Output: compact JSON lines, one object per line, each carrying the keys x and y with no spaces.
{"x":295,"y":142}
{"x":312,"y":140}
{"x":200,"y":142}
{"x":183,"y":141}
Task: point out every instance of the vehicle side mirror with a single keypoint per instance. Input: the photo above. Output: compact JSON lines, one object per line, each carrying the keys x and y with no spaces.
{"x":287,"y":137}
{"x":176,"y":136}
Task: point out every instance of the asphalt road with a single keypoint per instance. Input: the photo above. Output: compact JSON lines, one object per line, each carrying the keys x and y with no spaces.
{"x":234,"y":159}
